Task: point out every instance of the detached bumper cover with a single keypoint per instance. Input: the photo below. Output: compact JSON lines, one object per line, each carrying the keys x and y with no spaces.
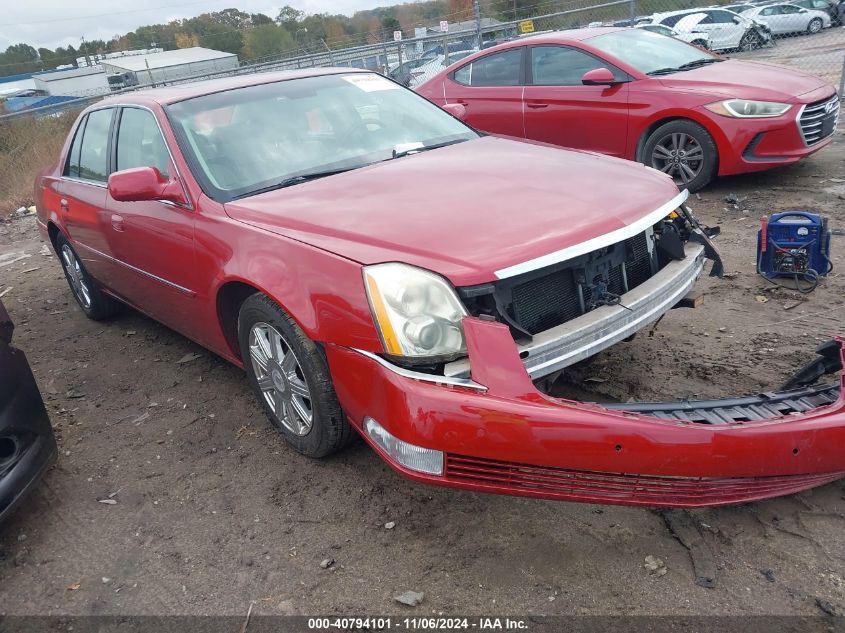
{"x":27,"y":443}
{"x":500,"y":434}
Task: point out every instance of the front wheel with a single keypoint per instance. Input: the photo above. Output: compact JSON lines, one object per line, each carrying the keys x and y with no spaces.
{"x":750,"y":41}
{"x":290,"y":376}
{"x":684,"y":150}
{"x":815,"y":25}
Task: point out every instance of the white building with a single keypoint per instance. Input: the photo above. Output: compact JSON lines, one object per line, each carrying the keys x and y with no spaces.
{"x":73,"y":82}
{"x":96,"y":58}
{"x":156,"y":68}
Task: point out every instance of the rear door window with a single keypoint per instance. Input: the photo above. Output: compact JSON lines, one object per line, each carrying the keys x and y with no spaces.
{"x":498,"y":69}
{"x":561,"y":65}
{"x":94,"y":153}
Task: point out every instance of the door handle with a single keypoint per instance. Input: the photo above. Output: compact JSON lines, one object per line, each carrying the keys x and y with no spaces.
{"x":63,"y":205}
{"x":537,"y":106}
{"x":117,"y":222}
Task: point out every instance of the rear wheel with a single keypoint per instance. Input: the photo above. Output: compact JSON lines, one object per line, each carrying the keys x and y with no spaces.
{"x":815,"y":25}
{"x":684,"y":150}
{"x":94,"y":303}
{"x":290,"y":376}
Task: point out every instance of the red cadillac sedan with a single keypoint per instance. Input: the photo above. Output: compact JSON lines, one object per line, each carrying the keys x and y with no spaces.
{"x":646,"y":97}
{"x":375,"y":265}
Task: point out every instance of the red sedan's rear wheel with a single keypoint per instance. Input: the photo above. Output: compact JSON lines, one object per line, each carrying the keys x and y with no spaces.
{"x":684,"y":150}
{"x":94,"y":303}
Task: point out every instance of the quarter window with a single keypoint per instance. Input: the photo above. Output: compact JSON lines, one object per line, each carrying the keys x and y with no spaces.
{"x":72,"y":166}
{"x":560,"y":65}
{"x":498,"y":69}
{"x":94,"y":155}
{"x":139,"y":142}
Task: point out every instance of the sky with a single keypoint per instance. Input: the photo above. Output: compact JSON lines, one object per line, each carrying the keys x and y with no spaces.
{"x":52,"y":23}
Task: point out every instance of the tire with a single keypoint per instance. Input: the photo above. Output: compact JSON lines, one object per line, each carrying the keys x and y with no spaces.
{"x":750,"y":41}
{"x":93,"y":302}
{"x":291,"y":379}
{"x":815,"y":26}
{"x":701,"y":44}
{"x":673,"y":148}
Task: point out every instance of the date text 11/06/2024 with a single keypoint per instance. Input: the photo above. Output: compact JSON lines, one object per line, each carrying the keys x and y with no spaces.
{"x":417,"y":624}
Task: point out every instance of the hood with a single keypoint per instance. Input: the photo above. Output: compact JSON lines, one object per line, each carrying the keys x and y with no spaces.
{"x":746,"y":80}
{"x":464,"y":210}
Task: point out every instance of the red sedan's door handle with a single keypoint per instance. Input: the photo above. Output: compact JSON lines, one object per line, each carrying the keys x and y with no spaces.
{"x":117,"y":222}
{"x":537,"y":106}
{"x":63,"y":205}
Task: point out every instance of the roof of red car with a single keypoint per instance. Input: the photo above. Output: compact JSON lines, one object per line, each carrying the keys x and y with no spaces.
{"x":571,"y":34}
{"x":181,"y":92}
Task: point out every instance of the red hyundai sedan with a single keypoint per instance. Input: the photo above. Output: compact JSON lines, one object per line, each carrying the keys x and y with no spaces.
{"x":645,"y":97}
{"x":377,"y":266}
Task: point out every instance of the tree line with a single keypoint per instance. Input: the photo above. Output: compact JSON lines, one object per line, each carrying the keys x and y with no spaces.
{"x":256,"y":35}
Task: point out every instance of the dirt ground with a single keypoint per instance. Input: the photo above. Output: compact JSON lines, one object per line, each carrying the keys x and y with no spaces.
{"x":213,"y":512}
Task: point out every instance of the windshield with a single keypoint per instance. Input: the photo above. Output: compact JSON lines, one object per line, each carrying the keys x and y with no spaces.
{"x":649,"y":52}
{"x":255,"y":138}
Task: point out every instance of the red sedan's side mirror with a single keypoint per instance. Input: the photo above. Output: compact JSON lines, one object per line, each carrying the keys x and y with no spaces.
{"x":599,"y":77}
{"x":144,"y":183}
{"x":457,"y":110}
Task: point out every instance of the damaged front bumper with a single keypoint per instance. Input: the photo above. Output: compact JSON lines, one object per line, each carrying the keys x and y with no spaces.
{"x":496,"y":432}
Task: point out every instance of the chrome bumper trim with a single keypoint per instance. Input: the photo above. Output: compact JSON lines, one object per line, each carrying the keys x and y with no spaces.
{"x":598,"y":329}
{"x":596,"y":243}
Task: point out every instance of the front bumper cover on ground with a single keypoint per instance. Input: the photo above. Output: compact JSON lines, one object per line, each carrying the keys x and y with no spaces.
{"x":498,"y":433}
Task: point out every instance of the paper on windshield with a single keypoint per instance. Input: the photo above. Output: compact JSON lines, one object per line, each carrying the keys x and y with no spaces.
{"x":371,"y":82}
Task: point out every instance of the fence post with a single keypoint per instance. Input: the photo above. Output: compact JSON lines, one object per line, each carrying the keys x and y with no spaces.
{"x":476,"y":9}
{"x":399,"y":50}
{"x":633,"y":9}
{"x":842,"y":79}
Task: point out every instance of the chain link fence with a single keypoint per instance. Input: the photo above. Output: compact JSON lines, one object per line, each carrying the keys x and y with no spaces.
{"x":805,"y":34}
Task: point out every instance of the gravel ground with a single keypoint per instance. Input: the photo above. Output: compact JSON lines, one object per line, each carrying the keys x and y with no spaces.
{"x":213,"y":512}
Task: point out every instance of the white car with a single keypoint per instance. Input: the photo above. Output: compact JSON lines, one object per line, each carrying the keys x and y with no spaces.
{"x":788,"y":18}
{"x":696,"y":38}
{"x":727,"y":30}
{"x":428,"y":70}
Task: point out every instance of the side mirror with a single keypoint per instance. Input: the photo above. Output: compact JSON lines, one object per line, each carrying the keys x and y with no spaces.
{"x":599,"y":77}
{"x":457,"y":110}
{"x":144,"y":183}
{"x":737,"y":19}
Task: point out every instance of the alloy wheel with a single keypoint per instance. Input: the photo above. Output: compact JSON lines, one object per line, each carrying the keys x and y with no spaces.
{"x":678,"y":155}
{"x":281,"y":379}
{"x":815,"y":25}
{"x":750,"y":41}
{"x":76,"y":277}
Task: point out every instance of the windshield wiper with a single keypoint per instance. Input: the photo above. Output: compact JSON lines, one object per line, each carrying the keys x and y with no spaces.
{"x":699,"y":62}
{"x":688,"y":66}
{"x":295,"y":180}
{"x":425,"y":148}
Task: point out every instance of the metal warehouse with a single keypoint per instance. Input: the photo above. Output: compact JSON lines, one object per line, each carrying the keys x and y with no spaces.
{"x":171,"y":65}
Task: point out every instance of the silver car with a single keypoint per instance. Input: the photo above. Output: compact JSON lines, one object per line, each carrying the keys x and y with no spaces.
{"x":789,"y":18}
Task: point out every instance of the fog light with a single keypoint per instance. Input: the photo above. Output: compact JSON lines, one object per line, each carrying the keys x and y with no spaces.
{"x":424,"y":460}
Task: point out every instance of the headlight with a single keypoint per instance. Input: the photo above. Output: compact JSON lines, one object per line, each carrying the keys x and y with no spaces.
{"x":744,"y":109}
{"x":417,"y":312}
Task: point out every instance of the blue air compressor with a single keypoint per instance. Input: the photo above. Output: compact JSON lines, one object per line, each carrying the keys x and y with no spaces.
{"x":794,"y":244}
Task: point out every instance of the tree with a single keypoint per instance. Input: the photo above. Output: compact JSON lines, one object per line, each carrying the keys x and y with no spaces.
{"x":390,"y":24}
{"x":290,"y":18}
{"x":265,"y":40}
{"x":186,"y":40}
{"x":259,"y":19}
